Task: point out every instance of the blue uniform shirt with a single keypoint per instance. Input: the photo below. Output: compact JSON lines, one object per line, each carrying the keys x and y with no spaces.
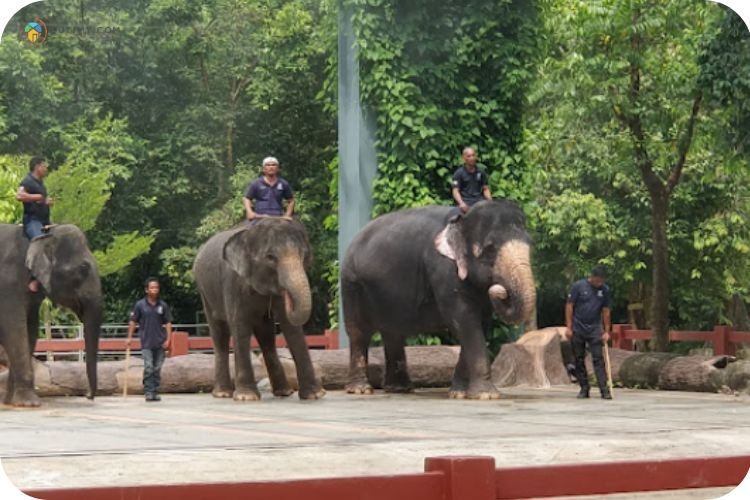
{"x":470,"y":184}
{"x":34,"y":210}
{"x":588,"y":302}
{"x":267,"y":198}
{"x":151,"y":319}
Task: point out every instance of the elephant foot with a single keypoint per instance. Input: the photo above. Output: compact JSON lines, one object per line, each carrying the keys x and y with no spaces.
{"x":283,"y":392}
{"x":399,"y":388}
{"x":246,"y":395}
{"x":24,"y":399}
{"x":456,"y":394}
{"x":312,"y":393}
{"x":360,"y":388}
{"x":222,"y":392}
{"x":484,"y":391}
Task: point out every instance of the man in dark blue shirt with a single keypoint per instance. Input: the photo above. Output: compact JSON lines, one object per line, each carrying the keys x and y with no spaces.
{"x":153,"y":318}
{"x":268,"y":192}
{"x":470,"y":182}
{"x":588,"y":323}
{"x":36,"y":205}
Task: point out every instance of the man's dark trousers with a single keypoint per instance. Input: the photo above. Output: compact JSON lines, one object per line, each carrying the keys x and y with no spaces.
{"x":595,"y":345}
{"x":152,"y":361}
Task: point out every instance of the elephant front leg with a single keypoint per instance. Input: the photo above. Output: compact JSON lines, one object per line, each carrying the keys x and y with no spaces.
{"x":266,"y":338}
{"x":245,"y":387}
{"x":20,"y":385}
{"x":222,"y":381}
{"x":309,"y":387}
{"x":472,"y":378}
{"x":473,"y":372}
{"x":396,"y":373}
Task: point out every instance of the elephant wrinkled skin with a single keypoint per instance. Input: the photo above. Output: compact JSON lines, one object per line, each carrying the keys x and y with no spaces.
{"x":250,"y":277}
{"x":430,"y":269}
{"x":69,"y":276}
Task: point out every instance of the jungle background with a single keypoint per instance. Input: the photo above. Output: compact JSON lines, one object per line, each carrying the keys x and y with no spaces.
{"x":621,"y":127}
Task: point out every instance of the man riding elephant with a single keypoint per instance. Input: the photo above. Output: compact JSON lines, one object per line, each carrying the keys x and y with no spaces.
{"x":36,"y":204}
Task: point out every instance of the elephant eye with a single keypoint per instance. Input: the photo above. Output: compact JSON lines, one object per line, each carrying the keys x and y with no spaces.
{"x":270,"y":257}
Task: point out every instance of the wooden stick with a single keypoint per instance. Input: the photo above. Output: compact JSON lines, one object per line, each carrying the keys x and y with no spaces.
{"x":608,"y":365}
{"x":127,"y":371}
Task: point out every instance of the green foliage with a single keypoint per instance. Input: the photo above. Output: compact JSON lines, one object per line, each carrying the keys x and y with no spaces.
{"x":440,"y":76}
{"x":12,"y":171}
{"x":592,"y":205}
{"x":121,"y":252}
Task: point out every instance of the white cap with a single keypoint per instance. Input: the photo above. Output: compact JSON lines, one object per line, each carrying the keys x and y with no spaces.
{"x":270,"y":159}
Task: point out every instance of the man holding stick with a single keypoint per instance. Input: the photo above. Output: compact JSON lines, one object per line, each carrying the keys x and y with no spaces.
{"x":588,"y":323}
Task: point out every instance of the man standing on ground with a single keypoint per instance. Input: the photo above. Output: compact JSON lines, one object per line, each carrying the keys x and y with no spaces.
{"x":36,"y":204}
{"x":586,"y":313}
{"x":470,"y":182}
{"x":264,"y":196}
{"x":153,"y":318}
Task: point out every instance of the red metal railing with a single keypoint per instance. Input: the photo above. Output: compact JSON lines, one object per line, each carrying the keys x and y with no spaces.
{"x":182,"y":344}
{"x":452,"y":478}
{"x":724,"y":338}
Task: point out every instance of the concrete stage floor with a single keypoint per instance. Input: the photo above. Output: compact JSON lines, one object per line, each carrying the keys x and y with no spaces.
{"x":196,"y":438}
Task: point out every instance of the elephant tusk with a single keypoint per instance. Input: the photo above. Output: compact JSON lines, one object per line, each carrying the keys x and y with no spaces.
{"x":498,"y":292}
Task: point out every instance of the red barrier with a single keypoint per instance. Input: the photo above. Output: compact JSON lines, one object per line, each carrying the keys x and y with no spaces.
{"x":621,"y":477}
{"x":452,"y":478}
{"x":723,"y":338}
{"x":182,"y":343}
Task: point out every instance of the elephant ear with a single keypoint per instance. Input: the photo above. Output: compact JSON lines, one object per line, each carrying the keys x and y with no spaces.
{"x":450,"y":243}
{"x":40,"y":261}
{"x":235,"y":253}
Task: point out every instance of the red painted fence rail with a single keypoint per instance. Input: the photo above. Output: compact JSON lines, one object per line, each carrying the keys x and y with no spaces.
{"x":452,"y":478}
{"x":182,"y":343}
{"x":724,"y":338}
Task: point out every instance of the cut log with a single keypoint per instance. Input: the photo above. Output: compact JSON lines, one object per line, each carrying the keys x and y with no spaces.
{"x":694,"y":373}
{"x":642,"y":370}
{"x":535,"y":360}
{"x":738,"y":375}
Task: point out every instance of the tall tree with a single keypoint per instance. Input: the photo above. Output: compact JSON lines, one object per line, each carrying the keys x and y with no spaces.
{"x":619,"y":113}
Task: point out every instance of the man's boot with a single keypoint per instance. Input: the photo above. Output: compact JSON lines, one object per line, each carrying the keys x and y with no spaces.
{"x":583,"y":394}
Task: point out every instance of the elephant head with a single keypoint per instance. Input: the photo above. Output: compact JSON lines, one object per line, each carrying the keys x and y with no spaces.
{"x":64,"y":265}
{"x":492,"y":251}
{"x":272,"y":255}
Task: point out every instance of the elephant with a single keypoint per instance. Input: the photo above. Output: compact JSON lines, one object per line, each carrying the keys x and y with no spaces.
{"x":69,"y":276}
{"x":433,"y":269}
{"x":249,"y":277}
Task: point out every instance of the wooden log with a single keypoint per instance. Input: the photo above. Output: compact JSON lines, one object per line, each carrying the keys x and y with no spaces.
{"x":694,"y":373}
{"x":535,"y":360}
{"x":738,"y":375}
{"x":643,"y":370}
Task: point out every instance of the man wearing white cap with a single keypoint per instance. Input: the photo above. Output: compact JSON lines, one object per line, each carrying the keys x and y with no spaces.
{"x":264,"y":196}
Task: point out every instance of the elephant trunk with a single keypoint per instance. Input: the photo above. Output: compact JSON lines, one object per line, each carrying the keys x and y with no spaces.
{"x":514,"y":302}
{"x":296,"y":290}
{"x":92,"y":325}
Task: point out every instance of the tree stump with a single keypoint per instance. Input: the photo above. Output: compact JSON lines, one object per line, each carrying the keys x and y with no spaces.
{"x":534,"y":360}
{"x":738,"y":375}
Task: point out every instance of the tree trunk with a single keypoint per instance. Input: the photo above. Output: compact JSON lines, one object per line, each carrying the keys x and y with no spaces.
{"x":535,"y":360}
{"x":660,"y":297}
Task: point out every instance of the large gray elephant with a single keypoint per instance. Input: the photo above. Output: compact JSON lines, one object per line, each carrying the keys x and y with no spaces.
{"x":248,"y":278}
{"x":69,"y":276}
{"x":428,"y":270}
